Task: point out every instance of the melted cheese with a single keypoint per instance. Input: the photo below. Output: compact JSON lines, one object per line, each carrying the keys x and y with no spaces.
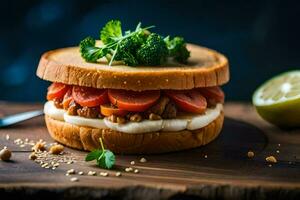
{"x":182,"y":122}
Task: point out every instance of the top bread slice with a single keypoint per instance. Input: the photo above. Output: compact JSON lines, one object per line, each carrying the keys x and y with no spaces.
{"x":205,"y":68}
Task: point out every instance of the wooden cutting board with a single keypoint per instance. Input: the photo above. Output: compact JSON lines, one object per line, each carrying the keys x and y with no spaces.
{"x":219,"y":170}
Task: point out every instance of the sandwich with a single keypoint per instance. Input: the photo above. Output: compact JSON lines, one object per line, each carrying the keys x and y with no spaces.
{"x":142,"y":100}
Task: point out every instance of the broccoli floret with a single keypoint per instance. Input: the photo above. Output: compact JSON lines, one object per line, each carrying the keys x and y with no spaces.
{"x":153,"y":52}
{"x":127,"y":50}
{"x":177,"y":49}
{"x":88,"y":50}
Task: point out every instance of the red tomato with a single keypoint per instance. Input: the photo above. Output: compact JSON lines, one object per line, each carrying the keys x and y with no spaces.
{"x":56,"y":91}
{"x":108,"y":110}
{"x":188,"y":100}
{"x":133,"y":101}
{"x":67,"y":99}
{"x":89,"y":97}
{"x":213,"y":95}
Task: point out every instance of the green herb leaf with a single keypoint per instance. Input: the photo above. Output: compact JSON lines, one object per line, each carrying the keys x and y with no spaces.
{"x":111,"y":32}
{"x":106,"y":160}
{"x":93,"y":155}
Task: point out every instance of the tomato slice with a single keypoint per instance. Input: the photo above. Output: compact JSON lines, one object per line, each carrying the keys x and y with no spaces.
{"x":188,"y":100}
{"x":213,"y":95}
{"x":133,"y":101}
{"x":67,"y":99}
{"x":89,"y":97}
{"x":56,"y":91}
{"x":108,"y":110}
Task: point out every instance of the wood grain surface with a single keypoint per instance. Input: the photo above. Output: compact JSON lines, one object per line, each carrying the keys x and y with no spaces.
{"x":220,"y":170}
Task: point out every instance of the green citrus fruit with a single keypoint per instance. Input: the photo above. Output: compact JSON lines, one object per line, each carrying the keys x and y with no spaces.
{"x":278,"y":100}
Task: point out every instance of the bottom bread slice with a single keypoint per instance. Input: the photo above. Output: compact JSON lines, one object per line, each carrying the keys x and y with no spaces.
{"x":87,"y":138}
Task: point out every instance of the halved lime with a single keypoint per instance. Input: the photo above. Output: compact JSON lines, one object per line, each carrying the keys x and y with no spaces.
{"x":278,"y":100}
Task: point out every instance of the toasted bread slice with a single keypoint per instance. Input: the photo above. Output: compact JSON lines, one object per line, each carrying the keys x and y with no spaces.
{"x":205,"y":68}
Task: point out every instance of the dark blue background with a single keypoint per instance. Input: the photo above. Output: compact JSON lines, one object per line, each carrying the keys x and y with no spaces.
{"x":260,"y":38}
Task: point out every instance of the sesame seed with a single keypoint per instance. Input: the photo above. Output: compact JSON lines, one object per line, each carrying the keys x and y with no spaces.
{"x":91,"y":173}
{"x":128,"y":169}
{"x":74,"y":179}
{"x":132,"y":162}
{"x":7,"y":137}
{"x":71,"y":171}
{"x":277,"y":151}
{"x":136,"y":171}
{"x":103,"y":174}
{"x":205,"y":156}
{"x":118,"y":174}
{"x":80,"y":173}
{"x":143,"y":160}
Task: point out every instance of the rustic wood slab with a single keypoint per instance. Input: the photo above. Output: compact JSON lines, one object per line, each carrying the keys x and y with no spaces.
{"x":219,"y":170}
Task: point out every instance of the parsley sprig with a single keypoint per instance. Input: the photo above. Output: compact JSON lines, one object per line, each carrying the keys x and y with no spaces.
{"x":104,"y":158}
{"x":137,"y":47}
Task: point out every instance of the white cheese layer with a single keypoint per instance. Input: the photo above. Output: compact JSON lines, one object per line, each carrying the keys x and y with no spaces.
{"x":182,"y":122}
{"x":53,"y":112}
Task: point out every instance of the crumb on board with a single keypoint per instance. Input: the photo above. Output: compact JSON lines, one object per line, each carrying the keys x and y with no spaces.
{"x":56,"y":149}
{"x":5,"y":154}
{"x":250,"y":154}
{"x":271,"y":159}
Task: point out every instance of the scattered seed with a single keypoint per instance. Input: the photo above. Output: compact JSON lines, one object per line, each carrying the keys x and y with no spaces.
{"x":118,"y":174}
{"x":270,"y":165}
{"x":55,"y":164}
{"x":279,"y":145}
{"x":74,"y":179}
{"x":277,"y":151}
{"x":250,"y":154}
{"x":5,"y":154}
{"x":80,"y":173}
{"x":91,"y":173}
{"x":22,"y":145}
{"x":132,"y":162}
{"x":136,"y":171}
{"x":205,"y":156}
{"x":69,"y":162}
{"x":103,"y":174}
{"x":271,"y":159}
{"x":44,"y":165}
{"x":128,"y":169}
{"x":7,"y":137}
{"x":71,"y":171}
{"x":143,"y":160}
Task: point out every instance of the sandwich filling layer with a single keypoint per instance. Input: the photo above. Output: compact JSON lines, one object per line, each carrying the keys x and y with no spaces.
{"x":181,"y":122}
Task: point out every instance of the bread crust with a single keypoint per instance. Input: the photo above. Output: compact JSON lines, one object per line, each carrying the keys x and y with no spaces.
{"x":206,"y":68}
{"x":86,"y":138}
